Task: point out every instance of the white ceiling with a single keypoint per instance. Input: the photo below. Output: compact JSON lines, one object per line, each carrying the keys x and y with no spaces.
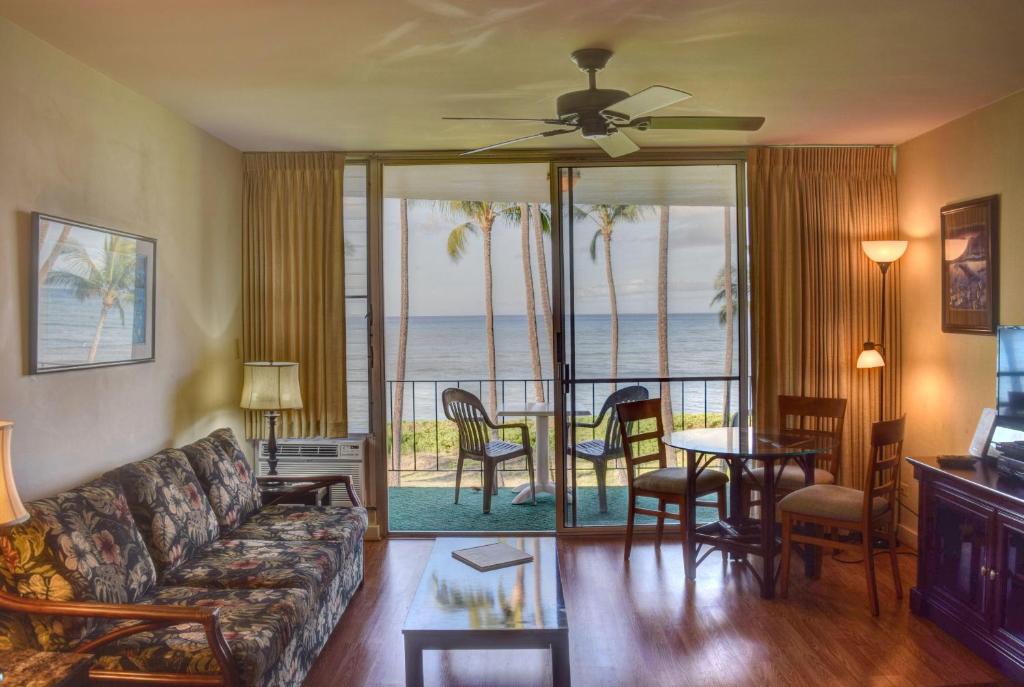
{"x":379,"y":74}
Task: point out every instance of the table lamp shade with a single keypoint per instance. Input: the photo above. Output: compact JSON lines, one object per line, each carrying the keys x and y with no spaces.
{"x":271,"y":386}
{"x":884,"y":251}
{"x":11,"y":509}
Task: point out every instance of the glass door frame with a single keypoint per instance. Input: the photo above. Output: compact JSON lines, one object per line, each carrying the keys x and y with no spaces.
{"x":562,"y":305}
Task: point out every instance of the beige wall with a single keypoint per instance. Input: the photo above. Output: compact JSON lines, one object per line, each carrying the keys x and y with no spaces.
{"x":75,"y":144}
{"x":949,"y":378}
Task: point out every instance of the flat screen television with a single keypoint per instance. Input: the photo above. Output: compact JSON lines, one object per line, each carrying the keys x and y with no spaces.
{"x":1010,"y":375}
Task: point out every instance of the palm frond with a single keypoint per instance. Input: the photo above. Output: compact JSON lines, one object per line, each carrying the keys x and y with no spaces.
{"x":593,"y":245}
{"x":457,"y":240}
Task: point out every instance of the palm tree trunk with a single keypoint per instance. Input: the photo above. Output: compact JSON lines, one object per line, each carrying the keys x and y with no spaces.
{"x":44,"y":269}
{"x":613,"y":305}
{"x":492,"y":372}
{"x":99,"y":331}
{"x":729,"y":308}
{"x":666,"y":389}
{"x":542,"y":269}
{"x":403,"y":338}
{"x":531,"y":304}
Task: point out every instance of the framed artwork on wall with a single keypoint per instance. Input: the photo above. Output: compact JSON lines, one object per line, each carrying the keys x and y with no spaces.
{"x":970,"y":266}
{"x":93,"y":294}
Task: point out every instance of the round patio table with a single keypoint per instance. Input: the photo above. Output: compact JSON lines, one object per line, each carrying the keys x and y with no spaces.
{"x":541,"y":412}
{"x":737,"y":534}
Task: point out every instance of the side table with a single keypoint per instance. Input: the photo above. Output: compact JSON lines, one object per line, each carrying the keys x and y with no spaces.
{"x":289,"y":492}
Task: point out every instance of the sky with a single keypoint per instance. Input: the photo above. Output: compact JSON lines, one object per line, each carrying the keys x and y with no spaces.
{"x":440,"y":286}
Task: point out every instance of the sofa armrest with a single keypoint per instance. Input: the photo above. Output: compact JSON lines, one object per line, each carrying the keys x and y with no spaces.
{"x":312,"y":483}
{"x":150,"y":616}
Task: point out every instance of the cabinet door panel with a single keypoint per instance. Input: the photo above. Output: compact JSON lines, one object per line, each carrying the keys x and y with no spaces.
{"x":959,"y":550}
{"x":1008,"y":582}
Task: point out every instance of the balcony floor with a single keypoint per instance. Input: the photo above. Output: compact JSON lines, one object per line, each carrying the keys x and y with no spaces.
{"x":431,"y":509}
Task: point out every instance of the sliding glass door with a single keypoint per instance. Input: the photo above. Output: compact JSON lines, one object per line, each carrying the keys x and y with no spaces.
{"x":651,"y":303}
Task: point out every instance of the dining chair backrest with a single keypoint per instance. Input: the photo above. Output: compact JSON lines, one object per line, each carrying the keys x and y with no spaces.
{"x":612,"y":435}
{"x":883,"y":478}
{"x":640,"y":432}
{"x":467,"y":412}
{"x":816,"y":415}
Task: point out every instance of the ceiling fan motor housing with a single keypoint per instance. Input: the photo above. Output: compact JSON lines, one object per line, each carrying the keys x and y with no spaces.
{"x":584,"y":109}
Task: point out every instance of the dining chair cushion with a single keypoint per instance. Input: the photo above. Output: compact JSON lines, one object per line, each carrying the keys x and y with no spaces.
{"x":791,"y":479}
{"x":673,"y":481}
{"x":831,"y":501}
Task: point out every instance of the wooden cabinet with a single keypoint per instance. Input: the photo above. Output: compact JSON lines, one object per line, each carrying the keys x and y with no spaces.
{"x":970,"y":577}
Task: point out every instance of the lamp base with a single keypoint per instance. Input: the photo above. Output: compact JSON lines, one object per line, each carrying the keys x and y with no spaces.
{"x":272,"y":442}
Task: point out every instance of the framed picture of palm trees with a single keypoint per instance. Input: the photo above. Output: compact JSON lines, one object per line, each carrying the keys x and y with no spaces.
{"x":93,"y":294}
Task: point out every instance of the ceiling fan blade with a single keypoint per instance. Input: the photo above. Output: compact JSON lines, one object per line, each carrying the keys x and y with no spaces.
{"x":647,"y":100}
{"x":720,"y":123}
{"x":504,"y":119}
{"x":543,"y":134}
{"x":617,"y":144}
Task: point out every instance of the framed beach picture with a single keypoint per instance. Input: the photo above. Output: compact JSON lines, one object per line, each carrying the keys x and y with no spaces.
{"x":93,"y":296}
{"x":970,"y":266}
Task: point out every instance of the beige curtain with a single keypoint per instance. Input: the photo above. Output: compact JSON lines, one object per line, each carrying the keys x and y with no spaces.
{"x":814,"y":294}
{"x":293,"y":290}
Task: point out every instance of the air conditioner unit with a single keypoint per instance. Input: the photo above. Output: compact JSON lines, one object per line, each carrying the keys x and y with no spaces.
{"x":320,"y":457}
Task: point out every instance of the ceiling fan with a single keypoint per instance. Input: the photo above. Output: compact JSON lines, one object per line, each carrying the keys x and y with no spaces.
{"x":600,"y":114}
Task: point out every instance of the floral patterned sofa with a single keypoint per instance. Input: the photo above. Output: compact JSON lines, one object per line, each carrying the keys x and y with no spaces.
{"x":168,"y":569}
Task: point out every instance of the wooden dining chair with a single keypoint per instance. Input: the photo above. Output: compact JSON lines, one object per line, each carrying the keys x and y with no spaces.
{"x":475,"y":443}
{"x":871,"y":512}
{"x":641,"y":429}
{"x":819,"y":416}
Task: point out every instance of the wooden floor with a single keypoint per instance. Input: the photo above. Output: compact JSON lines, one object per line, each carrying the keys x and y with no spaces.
{"x":643,"y":626}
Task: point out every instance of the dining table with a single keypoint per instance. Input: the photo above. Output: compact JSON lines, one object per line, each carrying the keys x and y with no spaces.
{"x":738,"y":535}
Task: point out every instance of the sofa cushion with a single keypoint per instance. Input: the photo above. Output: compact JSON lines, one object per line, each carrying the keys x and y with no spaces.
{"x":80,"y":545}
{"x":169,"y":507}
{"x":241,"y":564}
{"x":294,"y":522}
{"x":258,"y":625}
{"x":224,"y":472}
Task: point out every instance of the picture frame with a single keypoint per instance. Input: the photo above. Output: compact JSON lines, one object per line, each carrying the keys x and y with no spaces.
{"x":93,"y":296}
{"x":970,"y":266}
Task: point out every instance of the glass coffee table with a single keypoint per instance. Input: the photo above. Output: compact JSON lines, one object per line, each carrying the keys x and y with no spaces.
{"x":459,"y":607}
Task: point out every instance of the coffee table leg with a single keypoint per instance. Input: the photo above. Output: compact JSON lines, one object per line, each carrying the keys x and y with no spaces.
{"x":560,"y":662}
{"x":413,"y":663}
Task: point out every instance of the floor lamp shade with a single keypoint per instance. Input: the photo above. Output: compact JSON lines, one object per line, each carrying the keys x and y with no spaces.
{"x":12,"y":511}
{"x":271,"y":386}
{"x":869,"y":357}
{"x":884,"y":251}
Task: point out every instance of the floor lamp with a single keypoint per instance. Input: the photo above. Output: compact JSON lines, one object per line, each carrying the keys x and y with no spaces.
{"x":882,"y":253}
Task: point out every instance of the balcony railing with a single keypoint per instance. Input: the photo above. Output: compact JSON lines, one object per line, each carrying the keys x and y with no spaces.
{"x":430,"y":441}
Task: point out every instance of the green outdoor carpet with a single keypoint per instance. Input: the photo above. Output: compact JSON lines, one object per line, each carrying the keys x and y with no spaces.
{"x":432,"y":509}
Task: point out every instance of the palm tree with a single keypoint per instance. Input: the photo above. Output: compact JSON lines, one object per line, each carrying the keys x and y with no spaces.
{"x":666,"y":391}
{"x":605,"y":217}
{"x":725,"y":296}
{"x":55,"y":252}
{"x":541,"y":225}
{"x":531,"y":304}
{"x":403,"y":338}
{"x":111,"y":278}
{"x":479,"y":217}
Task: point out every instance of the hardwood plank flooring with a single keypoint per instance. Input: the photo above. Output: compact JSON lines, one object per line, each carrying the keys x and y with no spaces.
{"x":642,"y":625}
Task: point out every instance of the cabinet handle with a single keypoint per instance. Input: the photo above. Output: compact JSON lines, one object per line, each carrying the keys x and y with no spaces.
{"x":992,"y":574}
{"x":984,"y":570}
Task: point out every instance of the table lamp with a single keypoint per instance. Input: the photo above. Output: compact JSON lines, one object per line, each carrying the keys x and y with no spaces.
{"x":271,"y":387}
{"x":883,"y":253}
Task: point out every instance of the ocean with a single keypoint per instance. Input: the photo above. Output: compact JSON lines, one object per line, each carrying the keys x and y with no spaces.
{"x":452,"y":349}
